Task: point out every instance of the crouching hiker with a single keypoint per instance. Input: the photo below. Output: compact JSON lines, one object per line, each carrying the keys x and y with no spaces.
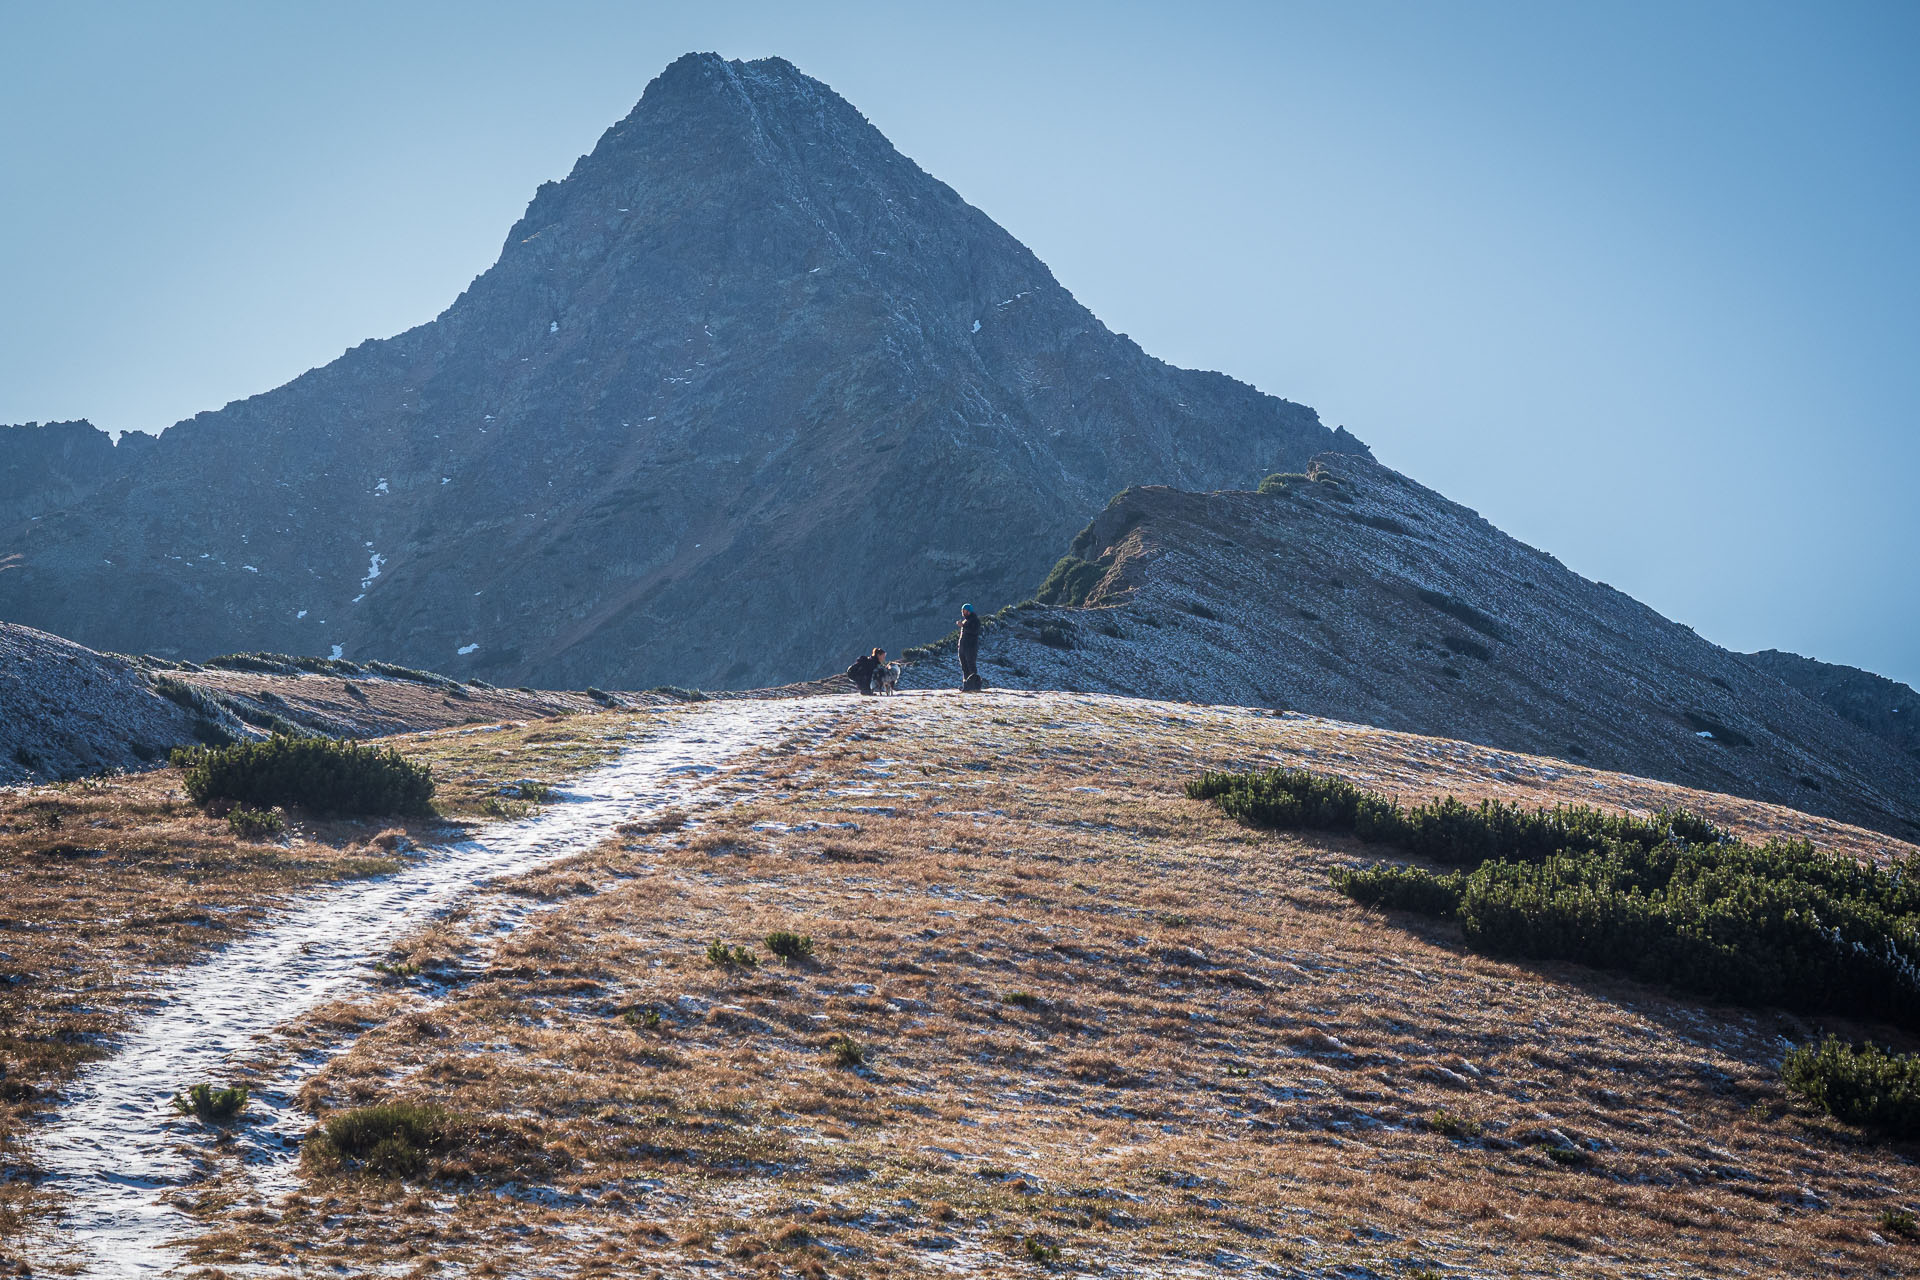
{"x":863,"y":669}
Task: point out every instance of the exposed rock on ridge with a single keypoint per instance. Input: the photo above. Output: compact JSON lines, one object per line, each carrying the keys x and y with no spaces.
{"x":66,"y":711}
{"x":44,"y":468}
{"x":1884,"y":708}
{"x":1359,"y":595}
{"x":744,"y":389}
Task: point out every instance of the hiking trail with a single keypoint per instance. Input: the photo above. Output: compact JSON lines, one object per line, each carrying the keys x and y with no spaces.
{"x":117,"y":1151}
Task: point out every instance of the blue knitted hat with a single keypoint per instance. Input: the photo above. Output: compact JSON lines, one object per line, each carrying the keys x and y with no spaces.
{"x":966,"y":608}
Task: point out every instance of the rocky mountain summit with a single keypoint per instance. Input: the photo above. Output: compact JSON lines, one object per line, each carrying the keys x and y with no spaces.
{"x":746,"y":387}
{"x":1353,"y":593}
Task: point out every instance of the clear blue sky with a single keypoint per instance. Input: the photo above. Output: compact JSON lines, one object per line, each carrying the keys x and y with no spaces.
{"x":1639,"y":282}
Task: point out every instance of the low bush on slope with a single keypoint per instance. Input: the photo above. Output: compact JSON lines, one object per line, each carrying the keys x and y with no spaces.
{"x":1669,"y":899}
{"x":1070,"y":582}
{"x":1444,"y":831}
{"x":1862,"y":1085}
{"x":285,"y":664}
{"x":389,"y":1140}
{"x":314,"y":773}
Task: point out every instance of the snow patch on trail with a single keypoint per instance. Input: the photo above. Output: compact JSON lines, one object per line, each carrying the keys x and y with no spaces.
{"x":117,"y":1150}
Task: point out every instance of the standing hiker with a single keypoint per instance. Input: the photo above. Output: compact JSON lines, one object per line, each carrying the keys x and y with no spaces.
{"x":861,"y":672}
{"x":969,"y":625}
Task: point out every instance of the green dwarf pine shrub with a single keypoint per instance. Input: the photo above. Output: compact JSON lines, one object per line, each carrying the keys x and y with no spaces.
{"x":320,"y":774}
{"x":790,"y":947}
{"x":1668,"y":898}
{"x":256,"y":824}
{"x":388,"y":1140}
{"x":211,"y":1105}
{"x":1859,"y":1084}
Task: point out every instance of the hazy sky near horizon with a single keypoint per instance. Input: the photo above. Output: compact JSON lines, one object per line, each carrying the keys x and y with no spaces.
{"x":1638,"y":282}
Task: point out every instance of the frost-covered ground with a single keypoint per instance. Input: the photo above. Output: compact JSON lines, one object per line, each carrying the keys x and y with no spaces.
{"x":118,"y":1149}
{"x":1097,"y":1029}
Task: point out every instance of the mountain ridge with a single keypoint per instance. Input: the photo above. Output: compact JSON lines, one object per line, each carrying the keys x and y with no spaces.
{"x":1354,"y":593}
{"x":1874,"y":703}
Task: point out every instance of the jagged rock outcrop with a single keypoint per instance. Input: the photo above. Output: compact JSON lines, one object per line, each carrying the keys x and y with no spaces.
{"x":1360,"y":595}
{"x":1884,"y":708}
{"x":44,"y":467}
{"x":744,"y":390}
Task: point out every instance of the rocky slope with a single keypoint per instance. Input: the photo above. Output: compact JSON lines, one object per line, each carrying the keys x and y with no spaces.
{"x":745,"y":386}
{"x":1884,"y":708}
{"x":46,"y":467}
{"x":1359,"y":595}
{"x":66,"y":711}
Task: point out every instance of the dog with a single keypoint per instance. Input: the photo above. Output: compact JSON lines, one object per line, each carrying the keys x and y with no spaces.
{"x":887,"y":678}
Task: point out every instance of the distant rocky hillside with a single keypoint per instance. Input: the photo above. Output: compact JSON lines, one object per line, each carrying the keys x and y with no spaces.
{"x":46,"y":467}
{"x":66,"y":711}
{"x":1357,"y":594}
{"x":69,"y":712}
{"x":746,"y":386}
{"x":1885,"y":708}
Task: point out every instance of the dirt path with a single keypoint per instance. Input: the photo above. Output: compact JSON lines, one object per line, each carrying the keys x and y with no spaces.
{"x":118,"y":1152}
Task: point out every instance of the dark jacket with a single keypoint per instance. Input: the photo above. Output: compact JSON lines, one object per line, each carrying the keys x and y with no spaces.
{"x":970,"y":631}
{"x":861,"y":672}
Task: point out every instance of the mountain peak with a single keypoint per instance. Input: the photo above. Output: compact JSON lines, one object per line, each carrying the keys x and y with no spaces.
{"x":747,"y":391}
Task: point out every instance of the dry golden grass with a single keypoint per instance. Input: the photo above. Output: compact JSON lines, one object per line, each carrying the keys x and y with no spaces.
{"x":107,"y":883}
{"x":1103,"y":1029}
{"x":475,"y":767}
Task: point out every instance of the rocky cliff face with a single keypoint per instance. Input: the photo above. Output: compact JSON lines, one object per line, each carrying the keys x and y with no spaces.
{"x":1359,"y":595}
{"x":46,"y":467}
{"x":746,"y":391}
{"x":1884,"y":708}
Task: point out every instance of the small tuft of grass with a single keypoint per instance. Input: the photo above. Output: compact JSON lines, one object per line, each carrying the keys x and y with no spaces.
{"x":388,"y":1140}
{"x":789,"y":946}
{"x":1898,"y":1222}
{"x":1452,"y":1126}
{"x":845,"y":1051}
{"x":723,"y":956}
{"x":256,"y":824}
{"x":662,"y":823}
{"x":211,"y":1105}
{"x":1023,"y":999}
{"x":1040,"y":1251}
{"x":642,"y":1019}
